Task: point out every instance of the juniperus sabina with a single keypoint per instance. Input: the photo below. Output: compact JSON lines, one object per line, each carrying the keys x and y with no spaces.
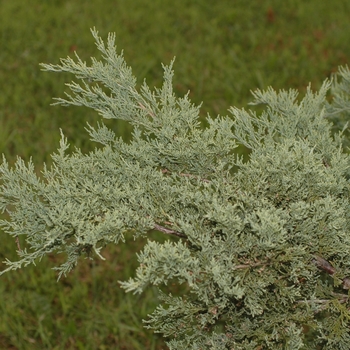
{"x":261,"y":244}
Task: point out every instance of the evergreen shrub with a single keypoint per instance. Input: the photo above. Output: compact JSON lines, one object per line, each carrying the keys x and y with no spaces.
{"x":261,"y":244}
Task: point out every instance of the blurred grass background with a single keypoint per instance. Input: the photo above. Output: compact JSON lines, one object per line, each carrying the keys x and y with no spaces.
{"x":224,"y":49}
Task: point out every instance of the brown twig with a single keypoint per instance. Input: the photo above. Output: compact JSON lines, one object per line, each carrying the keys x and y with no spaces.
{"x":320,"y":262}
{"x":18,"y":244}
{"x":325,"y":266}
{"x":247,"y":266}
{"x":168,"y":231}
{"x":148,"y":110}
{"x":342,"y":298}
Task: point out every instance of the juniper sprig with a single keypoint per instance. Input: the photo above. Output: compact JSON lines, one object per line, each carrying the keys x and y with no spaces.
{"x":262,"y":244}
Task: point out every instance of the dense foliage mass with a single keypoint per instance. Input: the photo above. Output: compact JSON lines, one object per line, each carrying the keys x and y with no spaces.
{"x":262,"y":244}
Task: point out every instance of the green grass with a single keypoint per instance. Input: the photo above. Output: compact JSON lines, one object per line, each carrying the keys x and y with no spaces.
{"x":224,"y":49}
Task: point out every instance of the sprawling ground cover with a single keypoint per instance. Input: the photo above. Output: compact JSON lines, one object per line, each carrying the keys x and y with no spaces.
{"x":223,"y":50}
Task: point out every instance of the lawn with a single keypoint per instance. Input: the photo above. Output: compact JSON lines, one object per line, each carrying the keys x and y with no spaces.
{"x":223,"y":50}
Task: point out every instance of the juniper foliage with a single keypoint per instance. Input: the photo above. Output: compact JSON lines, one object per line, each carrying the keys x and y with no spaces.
{"x":262,"y":245}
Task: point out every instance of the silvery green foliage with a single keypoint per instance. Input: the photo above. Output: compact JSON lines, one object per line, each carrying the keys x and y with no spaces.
{"x":338,"y":112}
{"x":261,"y":246}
